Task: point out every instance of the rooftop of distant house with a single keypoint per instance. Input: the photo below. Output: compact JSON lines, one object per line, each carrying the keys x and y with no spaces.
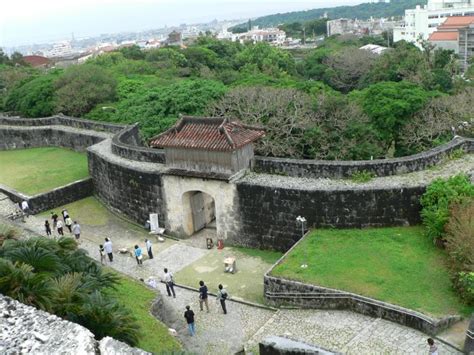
{"x":207,"y":133}
{"x":36,"y":60}
{"x":444,"y":36}
{"x":456,"y":22}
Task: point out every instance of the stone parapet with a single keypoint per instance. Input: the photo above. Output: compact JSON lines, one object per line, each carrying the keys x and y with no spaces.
{"x":378,"y":167}
{"x":283,"y":292}
{"x":54,"y":198}
{"x":127,"y":144}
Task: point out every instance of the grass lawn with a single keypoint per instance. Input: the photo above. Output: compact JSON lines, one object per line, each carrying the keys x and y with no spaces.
{"x":246,"y":283}
{"x":88,"y":211}
{"x":138,"y":298}
{"x":396,"y":265}
{"x":37,"y":170}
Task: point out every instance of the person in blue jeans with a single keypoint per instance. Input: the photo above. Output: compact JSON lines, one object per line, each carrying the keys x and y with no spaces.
{"x":138,"y":255}
{"x":189,"y":315}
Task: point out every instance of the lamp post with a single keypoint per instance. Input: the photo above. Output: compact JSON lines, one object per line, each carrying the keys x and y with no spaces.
{"x":302,"y":220}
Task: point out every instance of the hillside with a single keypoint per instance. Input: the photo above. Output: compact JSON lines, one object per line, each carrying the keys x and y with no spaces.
{"x":362,"y":11}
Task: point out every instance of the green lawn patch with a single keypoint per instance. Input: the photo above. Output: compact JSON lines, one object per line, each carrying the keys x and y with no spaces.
{"x":246,"y":284}
{"x":138,"y":298}
{"x":396,"y":265}
{"x":37,"y":170}
{"x":88,"y":211}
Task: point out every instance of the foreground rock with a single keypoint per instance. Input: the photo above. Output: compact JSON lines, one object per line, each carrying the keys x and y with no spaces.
{"x":25,"y":329}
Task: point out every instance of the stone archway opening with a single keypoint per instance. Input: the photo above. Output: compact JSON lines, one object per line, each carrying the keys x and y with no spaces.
{"x":199,"y":212}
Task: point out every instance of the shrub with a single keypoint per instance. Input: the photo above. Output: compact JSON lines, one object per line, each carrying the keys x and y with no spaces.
{"x":362,"y":176}
{"x":460,"y":247}
{"x":7,"y":232}
{"x":438,"y":198}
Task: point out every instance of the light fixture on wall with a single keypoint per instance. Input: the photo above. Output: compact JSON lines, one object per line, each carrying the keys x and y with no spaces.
{"x":302,"y":220}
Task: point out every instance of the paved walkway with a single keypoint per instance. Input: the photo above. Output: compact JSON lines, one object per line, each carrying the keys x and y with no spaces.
{"x":244,"y":325}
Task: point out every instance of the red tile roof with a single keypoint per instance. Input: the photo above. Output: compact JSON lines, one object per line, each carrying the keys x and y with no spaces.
{"x":454,"y":22}
{"x":36,"y":60}
{"x":444,"y":36}
{"x":216,"y":134}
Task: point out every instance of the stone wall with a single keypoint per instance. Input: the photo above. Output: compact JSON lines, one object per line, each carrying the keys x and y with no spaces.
{"x":33,"y":137}
{"x":127,"y":144}
{"x":379,"y":167}
{"x":268,"y":214}
{"x":62,"y":121}
{"x":126,"y":186}
{"x":282,"y":292}
{"x":274,"y":345}
{"x":26,"y":330}
{"x":57,"y":197}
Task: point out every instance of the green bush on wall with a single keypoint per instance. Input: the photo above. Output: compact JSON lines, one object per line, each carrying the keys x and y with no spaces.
{"x":438,"y":198}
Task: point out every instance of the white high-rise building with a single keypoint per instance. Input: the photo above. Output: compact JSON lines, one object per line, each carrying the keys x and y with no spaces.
{"x":423,"y":21}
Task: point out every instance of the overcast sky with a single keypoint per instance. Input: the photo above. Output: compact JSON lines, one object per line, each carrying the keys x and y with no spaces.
{"x":36,"y":21}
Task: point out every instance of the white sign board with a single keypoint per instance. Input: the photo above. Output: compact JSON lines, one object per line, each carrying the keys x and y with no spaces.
{"x":154,"y":224}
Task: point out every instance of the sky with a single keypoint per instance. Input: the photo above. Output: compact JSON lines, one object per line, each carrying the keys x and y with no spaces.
{"x":38,"y":21}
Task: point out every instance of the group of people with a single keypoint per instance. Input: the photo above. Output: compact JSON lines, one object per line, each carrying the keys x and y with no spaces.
{"x":221,"y":297}
{"x":138,"y":252}
{"x":107,"y":249}
{"x":58,"y":224}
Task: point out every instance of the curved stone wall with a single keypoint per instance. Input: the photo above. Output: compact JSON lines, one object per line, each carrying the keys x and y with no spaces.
{"x":130,"y":178}
{"x":62,"y":121}
{"x":127,"y":144}
{"x":378,"y":167}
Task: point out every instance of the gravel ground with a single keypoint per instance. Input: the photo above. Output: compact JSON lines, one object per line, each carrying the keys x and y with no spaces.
{"x":244,"y":325}
{"x":419,"y":178}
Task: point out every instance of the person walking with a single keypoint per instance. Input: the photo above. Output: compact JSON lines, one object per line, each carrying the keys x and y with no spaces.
{"x":47,"y":227}
{"x":59,"y":227}
{"x":138,"y":255}
{"x":54,"y":217}
{"x":25,"y":208}
{"x":148,"y":248}
{"x":433,"y":350}
{"x":108,"y":249}
{"x":68,"y":223}
{"x":221,"y":297}
{"x":102,"y":254}
{"x":76,"y":230}
{"x":169,"y":282}
{"x":189,"y":315}
{"x":65,"y":214}
{"x":203,"y":296}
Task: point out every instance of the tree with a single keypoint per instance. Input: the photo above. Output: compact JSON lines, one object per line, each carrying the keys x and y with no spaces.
{"x":348,"y":68}
{"x":132,"y":52}
{"x":267,"y":59}
{"x":35,"y":98}
{"x":81,"y":87}
{"x":433,"y":125}
{"x":283,"y":112}
{"x":390,"y":105}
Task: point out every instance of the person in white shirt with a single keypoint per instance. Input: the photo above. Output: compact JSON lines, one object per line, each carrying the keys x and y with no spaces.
{"x":25,"y":208}
{"x":168,"y":279}
{"x":76,"y":230}
{"x":108,"y":249}
{"x":148,"y":248}
{"x":59,"y":227}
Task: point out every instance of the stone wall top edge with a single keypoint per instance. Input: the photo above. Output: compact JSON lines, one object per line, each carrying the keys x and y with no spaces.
{"x":362,"y":298}
{"x":425,"y":154}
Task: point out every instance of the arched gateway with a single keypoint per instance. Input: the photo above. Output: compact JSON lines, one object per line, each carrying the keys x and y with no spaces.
{"x":203,"y":155}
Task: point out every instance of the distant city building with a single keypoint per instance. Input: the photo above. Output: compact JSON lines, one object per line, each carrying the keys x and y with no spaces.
{"x":456,"y":33}
{"x":374,"y":48}
{"x":421,"y":22}
{"x":62,"y":49}
{"x":270,"y":35}
{"x":37,"y":61}
{"x":372,"y":26}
